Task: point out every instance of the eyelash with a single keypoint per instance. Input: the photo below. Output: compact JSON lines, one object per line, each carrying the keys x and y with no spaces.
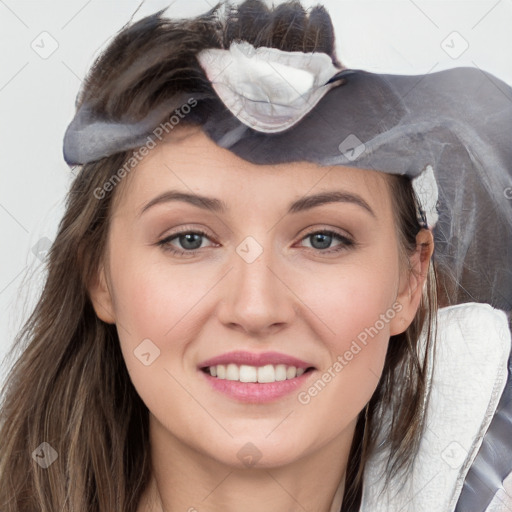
{"x":347,"y":243}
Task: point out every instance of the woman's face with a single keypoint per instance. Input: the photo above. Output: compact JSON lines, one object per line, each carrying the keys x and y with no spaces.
{"x":258,"y":281}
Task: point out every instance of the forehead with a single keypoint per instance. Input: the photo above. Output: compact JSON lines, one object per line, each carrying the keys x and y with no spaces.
{"x":188,"y":160}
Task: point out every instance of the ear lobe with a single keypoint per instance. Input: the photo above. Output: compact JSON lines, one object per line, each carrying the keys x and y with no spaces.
{"x":101,"y":298}
{"x":412,"y":286}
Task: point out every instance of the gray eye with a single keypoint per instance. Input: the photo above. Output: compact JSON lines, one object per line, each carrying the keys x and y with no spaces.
{"x":320,"y":240}
{"x":190,"y":241}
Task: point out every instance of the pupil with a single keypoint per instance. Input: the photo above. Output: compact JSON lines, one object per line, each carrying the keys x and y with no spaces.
{"x":189,"y":238}
{"x":326,"y":240}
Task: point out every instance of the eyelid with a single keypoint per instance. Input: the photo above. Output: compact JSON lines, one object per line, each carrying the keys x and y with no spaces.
{"x":337,"y":231}
{"x":186,"y":228}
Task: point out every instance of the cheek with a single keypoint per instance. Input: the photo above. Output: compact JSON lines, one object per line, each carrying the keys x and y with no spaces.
{"x":157,"y":310}
{"x":356,"y":307}
{"x":154,"y":308}
{"x":351,"y":300}
{"x":151,"y":296}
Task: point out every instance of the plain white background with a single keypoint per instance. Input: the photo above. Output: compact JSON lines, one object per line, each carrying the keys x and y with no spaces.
{"x":46,"y":48}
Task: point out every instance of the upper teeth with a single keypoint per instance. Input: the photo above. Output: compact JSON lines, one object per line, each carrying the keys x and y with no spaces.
{"x":246,"y":373}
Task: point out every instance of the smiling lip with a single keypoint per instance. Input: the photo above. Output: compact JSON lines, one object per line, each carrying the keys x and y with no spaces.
{"x":239,"y":357}
{"x":256,"y":392}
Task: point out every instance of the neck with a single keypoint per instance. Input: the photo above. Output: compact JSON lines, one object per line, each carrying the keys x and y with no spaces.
{"x":185,"y":480}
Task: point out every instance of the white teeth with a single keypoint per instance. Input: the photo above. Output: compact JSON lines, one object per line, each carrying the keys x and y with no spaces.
{"x":266,"y":373}
{"x":282,"y":373}
{"x":262,"y":374}
{"x":221,"y":371}
{"x":248,"y":373}
{"x":290,"y":372}
{"x":232,"y":372}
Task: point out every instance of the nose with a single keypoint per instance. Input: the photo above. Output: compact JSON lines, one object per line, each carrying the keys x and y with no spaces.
{"x":256,"y":299}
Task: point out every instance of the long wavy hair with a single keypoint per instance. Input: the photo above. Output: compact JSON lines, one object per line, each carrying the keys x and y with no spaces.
{"x":69,"y":387}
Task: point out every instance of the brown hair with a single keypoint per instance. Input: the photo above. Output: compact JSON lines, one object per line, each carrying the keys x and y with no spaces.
{"x":70,"y":386}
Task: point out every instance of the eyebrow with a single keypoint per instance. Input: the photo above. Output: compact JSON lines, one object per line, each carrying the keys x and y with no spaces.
{"x":219,"y":206}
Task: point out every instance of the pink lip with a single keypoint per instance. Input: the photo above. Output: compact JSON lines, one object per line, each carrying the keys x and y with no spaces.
{"x":256,"y":392}
{"x":239,"y":357}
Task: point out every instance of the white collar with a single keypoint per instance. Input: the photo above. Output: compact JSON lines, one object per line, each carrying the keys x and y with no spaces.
{"x":468,"y":378}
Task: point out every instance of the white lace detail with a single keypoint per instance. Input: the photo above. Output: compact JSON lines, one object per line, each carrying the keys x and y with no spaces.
{"x":268,"y":89}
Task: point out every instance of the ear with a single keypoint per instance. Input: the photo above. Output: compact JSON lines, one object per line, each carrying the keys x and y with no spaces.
{"x":101,"y":298}
{"x":412,"y":282}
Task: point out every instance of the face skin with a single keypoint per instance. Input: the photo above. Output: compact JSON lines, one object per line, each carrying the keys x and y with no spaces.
{"x":295,"y":298}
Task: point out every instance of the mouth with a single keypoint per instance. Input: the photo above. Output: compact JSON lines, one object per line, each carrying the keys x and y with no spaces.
{"x":252,"y":377}
{"x":262,"y":374}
